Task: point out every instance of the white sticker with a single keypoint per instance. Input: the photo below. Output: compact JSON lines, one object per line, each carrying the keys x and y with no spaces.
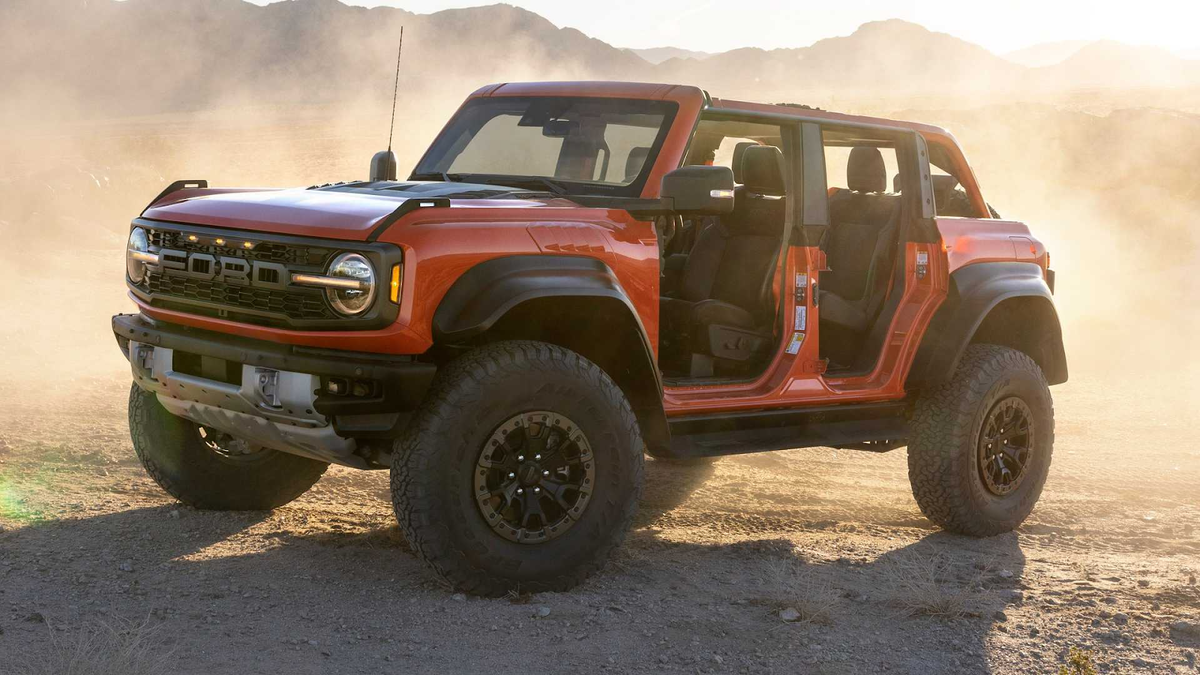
{"x":801,"y":281}
{"x":794,"y":346}
{"x":922,"y":257}
{"x":801,"y":318}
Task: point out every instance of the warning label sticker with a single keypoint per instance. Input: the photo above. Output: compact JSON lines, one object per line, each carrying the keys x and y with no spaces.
{"x":794,"y":346}
{"x":801,"y":318}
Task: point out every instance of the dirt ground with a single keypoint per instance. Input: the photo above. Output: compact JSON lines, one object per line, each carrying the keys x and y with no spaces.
{"x":89,"y":547}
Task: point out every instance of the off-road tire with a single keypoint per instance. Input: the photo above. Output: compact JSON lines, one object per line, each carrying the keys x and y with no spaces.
{"x":943,"y":458}
{"x":434,"y":464}
{"x":174,"y":455}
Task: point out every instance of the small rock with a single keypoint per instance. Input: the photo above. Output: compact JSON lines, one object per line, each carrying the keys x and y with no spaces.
{"x":126,"y":566}
{"x":459,"y":597}
{"x":1190,"y":657}
{"x":1109,"y":600}
{"x":1121,"y":618}
{"x":1013,"y":595}
{"x":174,"y":514}
{"x":1000,"y":616}
{"x":716,"y":657}
{"x":36,"y":617}
{"x":1186,"y":628}
{"x":1144,"y":583}
{"x":1005,"y":574}
{"x":1034,"y":632}
{"x":789,"y":614}
{"x":1142,"y":663}
{"x":664,"y":658}
{"x":312,"y":643}
{"x":543,"y":611}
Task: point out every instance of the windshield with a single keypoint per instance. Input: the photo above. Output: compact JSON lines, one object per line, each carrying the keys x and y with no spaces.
{"x":559,"y":144}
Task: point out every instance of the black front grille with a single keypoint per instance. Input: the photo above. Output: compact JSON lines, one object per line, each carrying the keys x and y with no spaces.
{"x":303,"y":304}
{"x":196,"y":284}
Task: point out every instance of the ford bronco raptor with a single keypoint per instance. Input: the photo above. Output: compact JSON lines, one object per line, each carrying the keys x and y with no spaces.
{"x":576,"y":274}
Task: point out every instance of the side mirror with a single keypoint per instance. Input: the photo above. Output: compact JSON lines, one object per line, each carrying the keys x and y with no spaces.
{"x":704,"y":190}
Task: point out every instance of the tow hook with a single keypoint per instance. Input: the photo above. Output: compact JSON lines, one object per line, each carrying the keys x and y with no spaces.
{"x":143,"y":358}
{"x":268,"y":386}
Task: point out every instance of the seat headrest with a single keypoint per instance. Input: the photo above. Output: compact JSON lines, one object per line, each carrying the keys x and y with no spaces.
{"x":739,"y":152}
{"x":865,"y":171}
{"x":633,"y":165}
{"x":762,"y":170}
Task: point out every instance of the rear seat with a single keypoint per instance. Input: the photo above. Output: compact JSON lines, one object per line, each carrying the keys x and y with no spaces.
{"x":863,"y":224}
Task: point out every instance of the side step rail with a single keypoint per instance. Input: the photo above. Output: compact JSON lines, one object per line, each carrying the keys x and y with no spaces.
{"x":876,"y":427}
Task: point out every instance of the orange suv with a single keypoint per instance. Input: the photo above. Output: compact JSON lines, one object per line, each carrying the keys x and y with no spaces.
{"x":576,"y":274}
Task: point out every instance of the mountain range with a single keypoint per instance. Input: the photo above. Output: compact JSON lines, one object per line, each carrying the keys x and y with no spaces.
{"x":146,"y":56}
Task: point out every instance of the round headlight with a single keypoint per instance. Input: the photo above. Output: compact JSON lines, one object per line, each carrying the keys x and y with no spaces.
{"x":138,"y":243}
{"x":351,"y":301}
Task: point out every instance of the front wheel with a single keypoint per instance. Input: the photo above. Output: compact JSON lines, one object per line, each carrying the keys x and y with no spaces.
{"x":207,"y":469}
{"x":981,"y":444}
{"x":521,"y":471}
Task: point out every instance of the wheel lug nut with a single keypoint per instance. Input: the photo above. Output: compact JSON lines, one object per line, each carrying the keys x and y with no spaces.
{"x":537,"y":457}
{"x":512,"y":475}
{"x":536,"y":490}
{"x":520,"y":491}
{"x":520,"y":458}
{"x":545,"y":473}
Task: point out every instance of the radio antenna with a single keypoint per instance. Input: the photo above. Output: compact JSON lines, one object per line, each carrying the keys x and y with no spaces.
{"x":396,"y":88}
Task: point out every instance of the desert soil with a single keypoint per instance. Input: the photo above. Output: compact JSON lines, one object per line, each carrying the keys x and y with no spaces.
{"x":719,"y":555}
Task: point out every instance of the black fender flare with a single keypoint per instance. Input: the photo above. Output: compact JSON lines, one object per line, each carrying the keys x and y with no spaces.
{"x":485,"y":293}
{"x":975,"y":290}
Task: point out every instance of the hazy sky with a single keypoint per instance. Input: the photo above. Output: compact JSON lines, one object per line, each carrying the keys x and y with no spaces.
{"x":719,"y":25}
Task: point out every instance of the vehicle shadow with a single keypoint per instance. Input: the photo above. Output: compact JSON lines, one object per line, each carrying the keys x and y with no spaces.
{"x":254,"y":595}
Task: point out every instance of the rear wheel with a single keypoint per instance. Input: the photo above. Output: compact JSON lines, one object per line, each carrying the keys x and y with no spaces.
{"x":207,"y":469}
{"x":981,"y":444}
{"x":521,"y":471}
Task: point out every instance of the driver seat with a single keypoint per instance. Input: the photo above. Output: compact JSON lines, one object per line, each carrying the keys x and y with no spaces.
{"x":722,"y":316}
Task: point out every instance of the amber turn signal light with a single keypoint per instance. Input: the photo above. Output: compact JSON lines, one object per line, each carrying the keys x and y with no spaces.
{"x":395,"y":293}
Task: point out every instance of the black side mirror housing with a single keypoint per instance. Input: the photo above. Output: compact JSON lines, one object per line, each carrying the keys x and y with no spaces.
{"x":703,"y":190}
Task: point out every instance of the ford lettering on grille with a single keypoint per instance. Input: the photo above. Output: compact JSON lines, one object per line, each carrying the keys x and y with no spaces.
{"x":225,"y":269}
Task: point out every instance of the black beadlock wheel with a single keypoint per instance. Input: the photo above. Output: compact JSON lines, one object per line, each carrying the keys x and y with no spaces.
{"x":981,"y":444}
{"x":521,"y":470}
{"x":534,"y":477}
{"x":207,"y":469}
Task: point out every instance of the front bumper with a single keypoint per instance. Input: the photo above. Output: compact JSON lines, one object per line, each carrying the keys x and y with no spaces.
{"x":271,"y":394}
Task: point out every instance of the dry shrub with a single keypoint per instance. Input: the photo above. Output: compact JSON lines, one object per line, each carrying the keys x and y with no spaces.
{"x":932,"y":586}
{"x":120,"y":648}
{"x":790,"y":583}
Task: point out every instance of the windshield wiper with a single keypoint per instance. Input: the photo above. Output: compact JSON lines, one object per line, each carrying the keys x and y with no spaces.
{"x":524,"y":181}
{"x":439,"y":175}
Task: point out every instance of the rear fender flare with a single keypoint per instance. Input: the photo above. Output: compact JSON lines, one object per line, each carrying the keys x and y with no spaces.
{"x":975,"y":291}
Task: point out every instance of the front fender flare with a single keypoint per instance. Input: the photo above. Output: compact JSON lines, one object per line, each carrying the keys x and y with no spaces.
{"x":482,"y":296}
